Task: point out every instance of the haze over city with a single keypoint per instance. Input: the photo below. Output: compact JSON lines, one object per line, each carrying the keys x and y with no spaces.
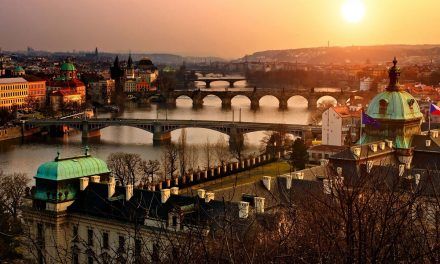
{"x":224,"y":28}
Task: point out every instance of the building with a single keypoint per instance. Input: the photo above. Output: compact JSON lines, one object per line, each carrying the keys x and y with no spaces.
{"x":101,"y":91}
{"x":37,"y":90}
{"x":77,"y":213}
{"x":13,"y":92}
{"x":366,"y":84}
{"x":340,"y":125}
{"x":140,"y":79}
{"x":66,"y":84}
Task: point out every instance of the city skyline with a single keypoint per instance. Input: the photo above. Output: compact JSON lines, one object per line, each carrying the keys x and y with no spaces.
{"x":227,"y":29}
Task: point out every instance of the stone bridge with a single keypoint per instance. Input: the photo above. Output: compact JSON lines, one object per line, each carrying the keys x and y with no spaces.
{"x":209,"y":80}
{"x":161,"y":128}
{"x":254,"y":95}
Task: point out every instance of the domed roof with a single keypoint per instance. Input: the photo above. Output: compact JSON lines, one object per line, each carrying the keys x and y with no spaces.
{"x":68,"y":66}
{"x":70,"y":168}
{"x":145,"y":62}
{"x":394,"y":105}
{"x":18,"y":69}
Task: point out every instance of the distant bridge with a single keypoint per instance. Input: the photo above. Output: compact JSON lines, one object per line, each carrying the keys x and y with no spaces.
{"x":209,"y":80}
{"x":254,"y":95}
{"x":161,"y":128}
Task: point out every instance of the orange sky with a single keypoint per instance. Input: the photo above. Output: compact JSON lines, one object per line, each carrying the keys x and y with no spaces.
{"x":226,"y":28}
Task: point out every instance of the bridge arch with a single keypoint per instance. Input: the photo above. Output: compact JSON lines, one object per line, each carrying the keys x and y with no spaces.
{"x":298,"y":101}
{"x":241,"y":100}
{"x":326,"y":98}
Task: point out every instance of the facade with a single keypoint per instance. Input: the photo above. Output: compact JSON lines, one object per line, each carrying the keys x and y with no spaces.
{"x":340,"y":125}
{"x":366,"y":84}
{"x":102,"y":91}
{"x":13,"y":92}
{"x":37,"y":90}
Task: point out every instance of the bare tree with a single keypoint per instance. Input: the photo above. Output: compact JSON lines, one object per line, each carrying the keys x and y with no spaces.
{"x":125,"y":167}
{"x":182,"y":147}
{"x":193,"y":156}
{"x":149,"y":170}
{"x":12,"y":191}
{"x":221,"y":150}
{"x":208,"y":153}
{"x":170,"y":156}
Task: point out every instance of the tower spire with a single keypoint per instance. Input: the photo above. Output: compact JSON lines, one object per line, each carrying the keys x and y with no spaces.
{"x":394,"y":74}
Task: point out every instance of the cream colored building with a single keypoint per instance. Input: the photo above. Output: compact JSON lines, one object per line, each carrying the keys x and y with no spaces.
{"x":13,"y":92}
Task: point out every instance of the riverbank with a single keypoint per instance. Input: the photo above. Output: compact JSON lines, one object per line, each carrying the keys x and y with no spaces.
{"x":270,"y":169}
{"x":8,"y":133}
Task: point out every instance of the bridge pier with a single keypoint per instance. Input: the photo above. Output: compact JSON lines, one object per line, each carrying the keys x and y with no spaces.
{"x":87,"y":133}
{"x":283,"y":104}
{"x":236,"y":139}
{"x":255,"y":104}
{"x":231,"y":84}
{"x":170,"y":102}
{"x":208,"y":84}
{"x":160,"y":137}
{"x":312,"y":105}
{"x":226,"y":103}
{"x":197,"y":102}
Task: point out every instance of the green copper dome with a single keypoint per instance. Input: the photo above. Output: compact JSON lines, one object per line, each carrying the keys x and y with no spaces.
{"x":67,"y":66}
{"x":18,"y":69}
{"x":394,"y":105}
{"x":70,"y":168}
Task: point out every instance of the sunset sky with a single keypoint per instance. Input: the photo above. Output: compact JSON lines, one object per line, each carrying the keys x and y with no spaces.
{"x":226,"y":28}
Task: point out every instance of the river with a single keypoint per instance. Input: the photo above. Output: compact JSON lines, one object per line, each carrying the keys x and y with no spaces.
{"x":25,"y":156}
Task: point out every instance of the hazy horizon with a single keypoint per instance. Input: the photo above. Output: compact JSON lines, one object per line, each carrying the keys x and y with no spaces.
{"x":221,"y":28}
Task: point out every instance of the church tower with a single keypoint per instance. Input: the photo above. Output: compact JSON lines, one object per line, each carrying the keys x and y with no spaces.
{"x":117,"y":74}
{"x":129,"y":72}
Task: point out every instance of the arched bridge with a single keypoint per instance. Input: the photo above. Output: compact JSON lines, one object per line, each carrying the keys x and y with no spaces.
{"x":255,"y":95}
{"x":209,"y":80}
{"x":161,"y":128}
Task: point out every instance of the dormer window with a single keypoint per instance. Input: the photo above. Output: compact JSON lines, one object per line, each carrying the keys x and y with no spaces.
{"x":383,"y":105}
{"x":411,"y":103}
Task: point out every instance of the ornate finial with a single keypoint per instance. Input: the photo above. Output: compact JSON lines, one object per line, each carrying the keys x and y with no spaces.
{"x":394,"y":74}
{"x":86,"y":150}
{"x":58,"y":155}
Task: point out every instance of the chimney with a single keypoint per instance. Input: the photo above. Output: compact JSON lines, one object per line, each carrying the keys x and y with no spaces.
{"x":434,"y":133}
{"x":389,"y":143}
{"x":259,"y":204}
{"x":357,"y":151}
{"x":174,"y":190}
{"x":382,"y":145}
{"x":83,"y":183}
{"x":373,"y":147}
{"x":428,"y":142}
{"x":95,"y":179}
{"x":128,"y":192}
{"x":417,"y":178}
{"x":164,"y":195}
{"x":266,"y":182}
{"x":111,"y":185}
{"x":201,"y":193}
{"x":243,"y":209}
{"x":209,"y":196}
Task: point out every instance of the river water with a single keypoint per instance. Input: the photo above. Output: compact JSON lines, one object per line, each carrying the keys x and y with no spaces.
{"x":25,"y":156}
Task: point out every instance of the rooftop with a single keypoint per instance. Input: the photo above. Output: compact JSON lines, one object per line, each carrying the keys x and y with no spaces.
{"x":12,"y":80}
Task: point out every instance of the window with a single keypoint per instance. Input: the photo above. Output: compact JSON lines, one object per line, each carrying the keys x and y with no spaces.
{"x":105,"y":240}
{"x":383,"y":105}
{"x":90,"y":259}
{"x":121,"y":243}
{"x":90,"y":237}
{"x":75,"y":255}
{"x":174,"y":220}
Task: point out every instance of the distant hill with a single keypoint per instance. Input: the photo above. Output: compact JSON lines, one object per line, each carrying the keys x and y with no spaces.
{"x":406,"y":54}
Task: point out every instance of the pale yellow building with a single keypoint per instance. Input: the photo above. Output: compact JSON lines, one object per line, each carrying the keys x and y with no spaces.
{"x":13,"y":92}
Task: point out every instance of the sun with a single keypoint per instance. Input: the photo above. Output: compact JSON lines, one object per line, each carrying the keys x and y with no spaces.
{"x":353,"y":11}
